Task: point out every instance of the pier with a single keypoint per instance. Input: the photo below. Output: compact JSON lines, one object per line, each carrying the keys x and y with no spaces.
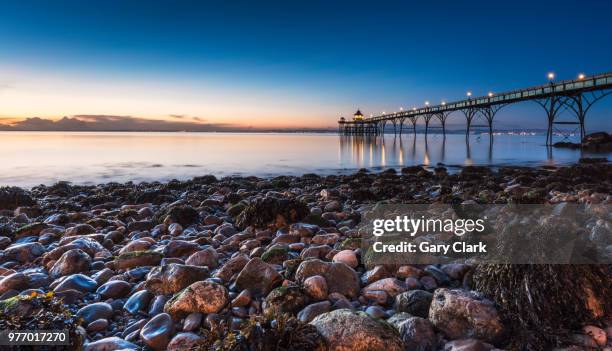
{"x":577,"y":95}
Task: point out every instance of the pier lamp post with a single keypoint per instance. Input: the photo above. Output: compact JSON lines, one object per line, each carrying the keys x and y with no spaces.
{"x":551,"y":76}
{"x":490,"y":94}
{"x":443,"y":103}
{"x":469,"y":94}
{"x":427,"y":103}
{"x":413,"y":108}
{"x":581,"y":76}
{"x":401,"y":108}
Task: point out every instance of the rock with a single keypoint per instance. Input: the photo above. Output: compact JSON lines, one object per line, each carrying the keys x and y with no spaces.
{"x":138,"y":259}
{"x":465,"y":314}
{"x":259,"y":277}
{"x":467,"y":345}
{"x":180,"y":248}
{"x":110,"y":344}
{"x":184,"y":215}
{"x":98,"y":325}
{"x":72,"y":261}
{"x":391,"y":286}
{"x":285,"y":299}
{"x":94,"y":311}
{"x":333,"y":206}
{"x":415,"y":302}
{"x":77,"y":282}
{"x":340,"y":277}
{"x":157,"y":332}
{"x":232,"y":266}
{"x":171,"y":278}
{"x":418,"y":334}
{"x":186,"y":341}
{"x":192,"y":322}
{"x":205,"y":297}
{"x":347,"y":330}
{"x":348,"y":257}
{"x":24,"y":253}
{"x":313,"y":310}
{"x":136,"y":245}
{"x":16,"y":281}
{"x":139,"y":301}
{"x":316,"y":287}
{"x":376,"y":312}
{"x":114,"y":289}
{"x":598,"y":334}
{"x":207,"y":257}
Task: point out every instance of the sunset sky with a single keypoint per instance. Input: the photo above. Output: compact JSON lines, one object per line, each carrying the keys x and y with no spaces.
{"x":283,"y":64}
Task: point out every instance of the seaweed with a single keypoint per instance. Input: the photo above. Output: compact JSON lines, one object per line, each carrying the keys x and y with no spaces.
{"x":271,"y":211}
{"x":543,"y":304}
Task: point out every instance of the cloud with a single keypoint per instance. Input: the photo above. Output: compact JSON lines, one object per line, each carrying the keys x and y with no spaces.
{"x":114,"y":123}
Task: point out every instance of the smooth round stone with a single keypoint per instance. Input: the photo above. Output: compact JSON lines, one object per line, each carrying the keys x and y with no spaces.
{"x":15,"y":281}
{"x":98,"y":325}
{"x":139,"y":301}
{"x":114,"y":289}
{"x":316,"y":287}
{"x":242,"y":300}
{"x":78,"y":282}
{"x":157,"y":332}
{"x":192,"y":321}
{"x":95,"y":311}
{"x":112,"y":343}
{"x":376,"y":312}
{"x":186,"y":341}
{"x":157,"y":306}
{"x":429,"y":283}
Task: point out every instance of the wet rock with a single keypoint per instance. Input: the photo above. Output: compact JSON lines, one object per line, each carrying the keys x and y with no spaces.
{"x":207,"y":257}
{"x":94,"y":311}
{"x":347,"y":330}
{"x":192,"y":322}
{"x":157,"y":332}
{"x":467,"y":345}
{"x":72,"y":261}
{"x":465,"y":314}
{"x":316,"y":287}
{"x":180,"y":248}
{"x":340,"y":277}
{"x":157,"y":305}
{"x":243,"y":299}
{"x":110,"y":344}
{"x":186,"y":341}
{"x":77,"y":282}
{"x":415,"y":302}
{"x":232,"y":266}
{"x":184,"y":215}
{"x":24,"y":253}
{"x":348,"y":257}
{"x":285,"y":299}
{"x":391,"y":286}
{"x":313,"y":310}
{"x":275,"y":255}
{"x":269,"y":210}
{"x":138,"y":259}
{"x":16,"y":281}
{"x":98,"y":325}
{"x":114,"y":289}
{"x":598,"y":334}
{"x":139,"y":301}
{"x":204,"y":297}
{"x":136,"y":245}
{"x":259,"y":277}
{"x":418,"y":334}
{"x":173,"y":277}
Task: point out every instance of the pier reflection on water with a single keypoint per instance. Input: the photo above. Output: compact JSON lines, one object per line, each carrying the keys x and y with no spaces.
{"x":454,"y":150}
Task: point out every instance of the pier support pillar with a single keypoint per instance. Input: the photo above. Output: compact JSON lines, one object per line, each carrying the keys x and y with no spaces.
{"x":581,"y":103}
{"x":469,"y":114}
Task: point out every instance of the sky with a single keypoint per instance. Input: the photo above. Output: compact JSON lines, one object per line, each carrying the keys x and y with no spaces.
{"x":229,"y":65}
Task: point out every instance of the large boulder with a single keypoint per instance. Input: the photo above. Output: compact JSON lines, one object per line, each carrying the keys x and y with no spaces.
{"x":172,"y":278}
{"x":415,"y":302}
{"x":204,"y":297}
{"x":465,"y":314}
{"x":345,"y":330}
{"x":418,"y":334}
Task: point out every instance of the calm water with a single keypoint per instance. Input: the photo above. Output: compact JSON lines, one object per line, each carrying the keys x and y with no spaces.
{"x":30,"y":158}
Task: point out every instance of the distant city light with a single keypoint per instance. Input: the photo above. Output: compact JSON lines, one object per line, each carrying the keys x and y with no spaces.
{"x":581,"y":76}
{"x":551,"y":75}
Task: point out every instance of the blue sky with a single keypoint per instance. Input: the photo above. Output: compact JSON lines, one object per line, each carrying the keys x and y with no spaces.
{"x":289,"y":64}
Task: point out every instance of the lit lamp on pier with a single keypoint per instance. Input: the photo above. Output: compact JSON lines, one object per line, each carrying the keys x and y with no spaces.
{"x":490,"y":94}
{"x":581,"y":76}
{"x":469,"y":94}
{"x":551,"y":76}
{"x":358,"y":116}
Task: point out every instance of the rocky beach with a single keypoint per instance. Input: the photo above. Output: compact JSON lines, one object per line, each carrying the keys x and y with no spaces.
{"x":247,"y":263}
